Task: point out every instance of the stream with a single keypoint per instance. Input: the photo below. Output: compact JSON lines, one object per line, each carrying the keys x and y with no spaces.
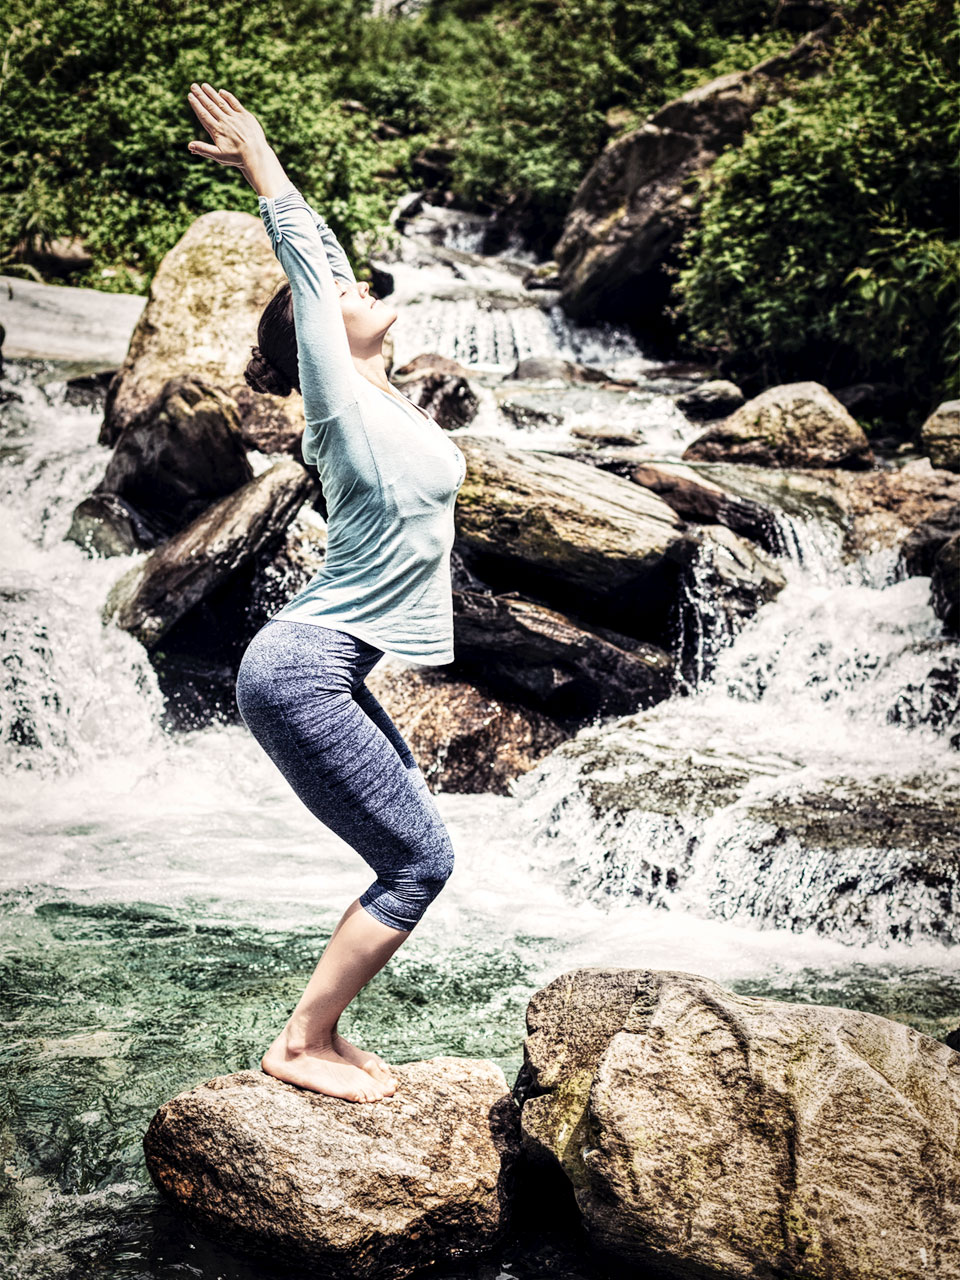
{"x":164,"y":896}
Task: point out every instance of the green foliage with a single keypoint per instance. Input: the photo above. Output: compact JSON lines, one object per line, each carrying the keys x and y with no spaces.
{"x":827,"y":245}
{"x":94,"y":120}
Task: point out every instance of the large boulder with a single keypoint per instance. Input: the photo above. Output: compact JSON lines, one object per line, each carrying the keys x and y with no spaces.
{"x":705,"y":1133}
{"x":798,"y":424}
{"x":358,"y":1190}
{"x":940,"y":436}
{"x":636,"y":202}
{"x":580,"y":539}
{"x":154,"y":594}
{"x":180,"y":455}
{"x":201,"y":317}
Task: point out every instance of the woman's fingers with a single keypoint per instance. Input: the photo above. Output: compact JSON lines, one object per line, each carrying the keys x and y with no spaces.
{"x":209,"y":122}
{"x":215,"y":103}
{"x":204,"y":149}
{"x":230,"y":100}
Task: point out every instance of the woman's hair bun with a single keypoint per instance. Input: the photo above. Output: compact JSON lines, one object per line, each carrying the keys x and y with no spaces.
{"x":266,"y":377}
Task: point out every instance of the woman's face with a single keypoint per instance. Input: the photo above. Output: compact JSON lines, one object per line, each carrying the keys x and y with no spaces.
{"x":365,"y":316}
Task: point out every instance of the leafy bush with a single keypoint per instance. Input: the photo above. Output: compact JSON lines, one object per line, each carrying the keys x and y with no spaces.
{"x":827,"y":244}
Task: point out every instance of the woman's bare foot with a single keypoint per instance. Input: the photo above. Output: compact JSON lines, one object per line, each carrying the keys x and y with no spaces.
{"x":320,"y":1069}
{"x":369,"y":1062}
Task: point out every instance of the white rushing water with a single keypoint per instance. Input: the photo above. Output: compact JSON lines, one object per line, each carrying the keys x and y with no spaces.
{"x":103,"y":803}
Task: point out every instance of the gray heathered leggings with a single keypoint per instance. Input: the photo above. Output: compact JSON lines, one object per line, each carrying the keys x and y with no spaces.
{"x":301,"y":694}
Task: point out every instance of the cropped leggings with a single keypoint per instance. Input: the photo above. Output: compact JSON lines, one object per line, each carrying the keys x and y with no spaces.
{"x":301,"y":693}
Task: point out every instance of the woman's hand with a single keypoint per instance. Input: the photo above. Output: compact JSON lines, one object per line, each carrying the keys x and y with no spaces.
{"x":237,"y":134}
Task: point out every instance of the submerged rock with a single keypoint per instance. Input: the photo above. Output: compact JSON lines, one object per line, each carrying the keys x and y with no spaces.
{"x":153,"y":595}
{"x":798,"y":424}
{"x":358,"y":1190}
{"x":708,"y":1133}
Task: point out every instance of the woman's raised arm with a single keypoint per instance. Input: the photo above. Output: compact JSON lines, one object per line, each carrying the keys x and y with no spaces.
{"x":304,"y":246}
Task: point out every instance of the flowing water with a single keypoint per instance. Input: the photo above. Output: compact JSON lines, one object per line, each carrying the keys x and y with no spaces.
{"x":164,"y":897}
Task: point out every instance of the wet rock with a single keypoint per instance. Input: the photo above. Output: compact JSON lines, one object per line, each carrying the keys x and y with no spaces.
{"x":699,"y":500}
{"x":528,"y":411}
{"x":442,"y":388}
{"x":704,"y":1132}
{"x":201,"y":317}
{"x":548,"y":368}
{"x":605,"y":436}
{"x":872,"y":510}
{"x":933,"y":697}
{"x":945,"y":585}
{"x":152,"y":596}
{"x":920,"y":549}
{"x":591,"y":544}
{"x":713,"y":399}
{"x":357,"y":1190}
{"x":176,"y":458}
{"x":569,"y":535}
{"x":799,"y":424}
{"x":89,"y":388}
{"x":467,"y":739}
{"x":554,"y":662}
{"x":638,"y":200}
{"x":105,"y":525}
{"x":634,"y":811}
{"x":940,"y":436}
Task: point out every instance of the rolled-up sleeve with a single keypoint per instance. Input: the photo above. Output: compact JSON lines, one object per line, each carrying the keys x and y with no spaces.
{"x":303,"y":243}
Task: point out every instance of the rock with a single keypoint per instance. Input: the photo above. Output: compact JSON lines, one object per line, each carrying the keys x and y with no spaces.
{"x":58,"y":256}
{"x":528,"y":411}
{"x":799,"y":424}
{"x":89,"y":388}
{"x":708,"y":1133}
{"x":637,"y":201}
{"x":105,"y":525}
{"x":873,"y":510}
{"x":713,"y":399}
{"x":177,"y":457}
{"x":637,"y":811}
{"x":201,"y":317}
{"x":589,"y":543}
{"x":153,"y":595}
{"x":953,"y":1040}
{"x":569,"y":535}
{"x":698,"y":499}
{"x":357,"y":1190}
{"x":605,"y":436}
{"x":920,"y":549}
{"x":940,"y":436}
{"x":442,"y":388}
{"x":555,"y":663}
{"x":945,"y":585}
{"x":548,"y":368}
{"x":467,"y":740}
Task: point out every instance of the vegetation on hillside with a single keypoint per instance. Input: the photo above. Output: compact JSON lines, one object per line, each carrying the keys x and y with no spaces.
{"x":827,"y":244}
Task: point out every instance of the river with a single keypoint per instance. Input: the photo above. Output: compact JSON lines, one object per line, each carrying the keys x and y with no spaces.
{"x":164,"y":896}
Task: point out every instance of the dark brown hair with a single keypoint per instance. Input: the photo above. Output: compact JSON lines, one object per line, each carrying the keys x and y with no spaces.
{"x":273,"y":366}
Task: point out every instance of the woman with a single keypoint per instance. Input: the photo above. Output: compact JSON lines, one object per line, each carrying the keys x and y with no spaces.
{"x":390,"y":478}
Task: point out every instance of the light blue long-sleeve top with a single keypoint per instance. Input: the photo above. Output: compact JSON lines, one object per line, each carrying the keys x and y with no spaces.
{"x":389,"y":472}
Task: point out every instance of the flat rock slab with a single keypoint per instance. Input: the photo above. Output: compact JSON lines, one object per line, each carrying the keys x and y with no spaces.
{"x":350,"y":1189}
{"x":56,"y":322}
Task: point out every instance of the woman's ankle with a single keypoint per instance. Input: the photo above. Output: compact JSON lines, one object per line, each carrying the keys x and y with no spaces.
{"x":296,"y":1039}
